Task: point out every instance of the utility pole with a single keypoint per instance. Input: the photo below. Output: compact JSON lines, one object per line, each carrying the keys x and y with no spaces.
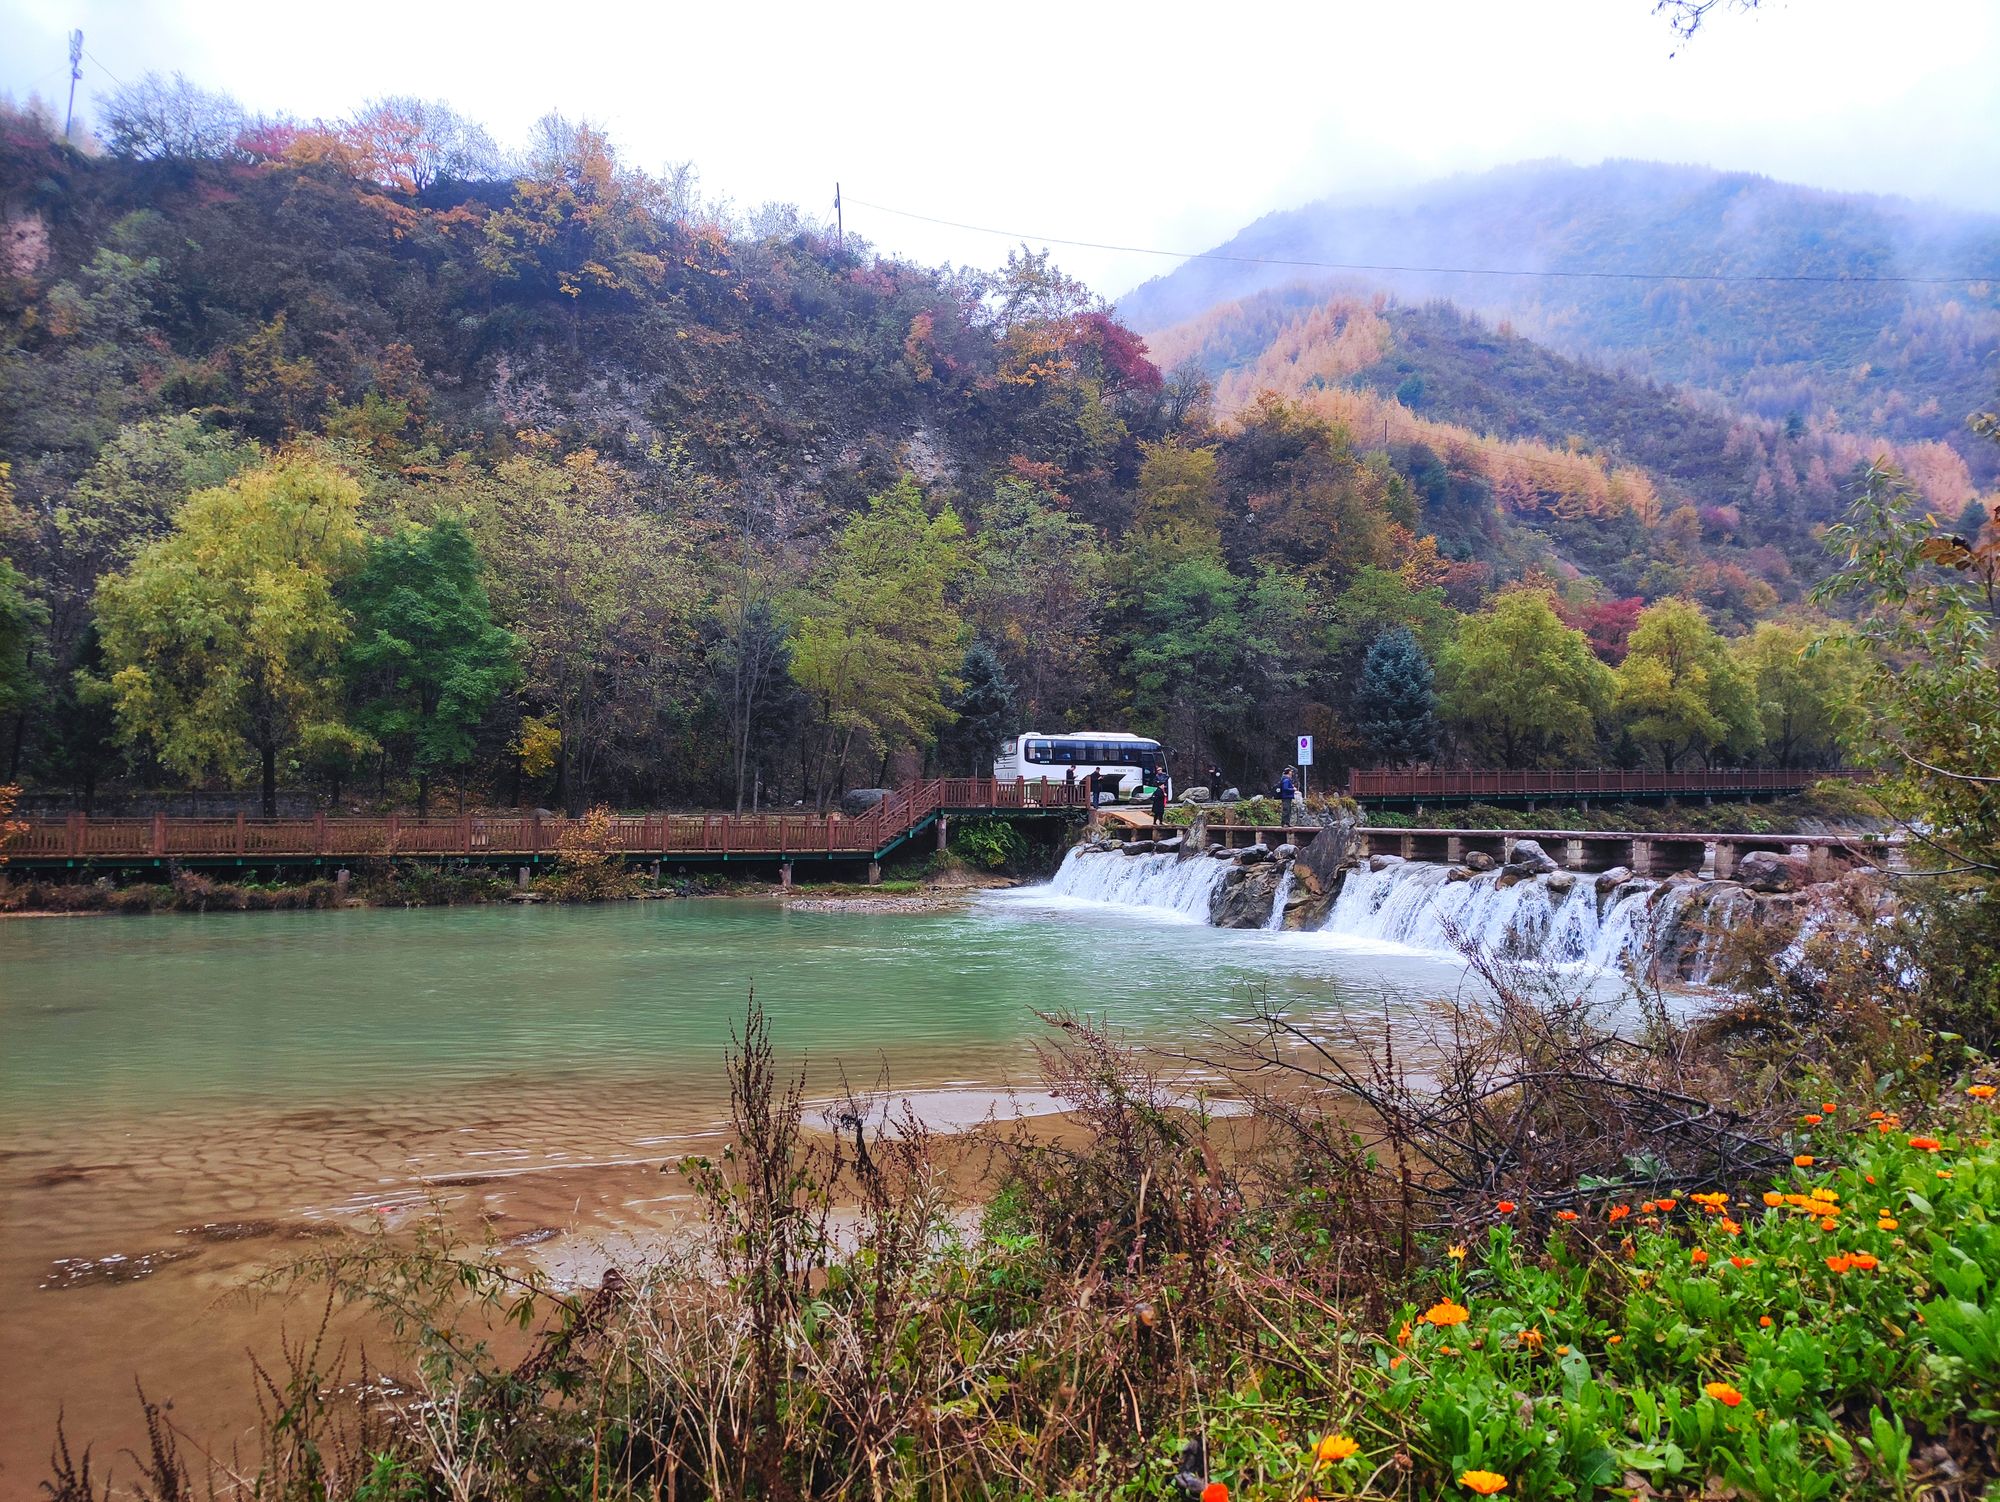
{"x":839,"y":223}
{"x":75,"y":73}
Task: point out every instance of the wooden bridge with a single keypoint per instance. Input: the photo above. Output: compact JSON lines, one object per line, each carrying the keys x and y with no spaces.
{"x":1379,"y":788}
{"x":534,"y":839}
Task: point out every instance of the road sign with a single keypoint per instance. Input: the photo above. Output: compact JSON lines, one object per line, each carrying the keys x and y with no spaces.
{"x":1305,"y":750}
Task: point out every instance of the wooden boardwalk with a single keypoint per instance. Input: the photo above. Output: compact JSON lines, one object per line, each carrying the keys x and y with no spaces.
{"x":532,"y":838}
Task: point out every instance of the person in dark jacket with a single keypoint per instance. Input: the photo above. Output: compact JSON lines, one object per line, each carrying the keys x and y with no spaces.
{"x":1160,"y":801}
{"x":1287,"y":791}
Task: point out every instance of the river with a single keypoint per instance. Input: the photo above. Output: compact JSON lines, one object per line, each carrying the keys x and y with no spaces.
{"x":185,"y":1100}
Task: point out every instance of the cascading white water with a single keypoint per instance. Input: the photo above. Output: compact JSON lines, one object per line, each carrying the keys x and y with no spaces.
{"x":1538,"y":920}
{"x":1278,"y":900}
{"x":1162,"y":881}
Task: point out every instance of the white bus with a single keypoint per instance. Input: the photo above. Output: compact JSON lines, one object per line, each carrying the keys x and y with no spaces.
{"x":1123,"y":763}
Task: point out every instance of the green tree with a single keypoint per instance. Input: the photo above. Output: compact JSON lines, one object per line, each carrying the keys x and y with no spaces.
{"x":1380,"y":600}
{"x":878,"y":637}
{"x":427,"y":661}
{"x":750,"y":667}
{"x":1519,"y":683}
{"x":1394,"y":710}
{"x":1215,"y":661}
{"x":223,"y":640}
{"x":1928,"y":604}
{"x":1680,"y":691}
{"x":983,"y":715}
{"x":1037,"y":595}
{"x":1808,"y":687}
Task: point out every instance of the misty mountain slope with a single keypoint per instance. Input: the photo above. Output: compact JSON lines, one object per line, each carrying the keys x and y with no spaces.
{"x":1907,"y":359}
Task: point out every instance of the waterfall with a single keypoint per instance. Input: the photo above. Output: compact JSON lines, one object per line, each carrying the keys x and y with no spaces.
{"x":1168,"y":882}
{"x":1278,"y":900}
{"x":1544,"y":920}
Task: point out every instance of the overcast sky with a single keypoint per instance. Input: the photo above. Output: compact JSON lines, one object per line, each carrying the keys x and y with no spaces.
{"x":1160,"y":125}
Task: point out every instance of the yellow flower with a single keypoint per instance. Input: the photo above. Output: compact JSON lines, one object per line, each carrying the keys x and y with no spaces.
{"x":1981,"y":1092}
{"x":1886,"y":1223}
{"x":1486,"y":1483}
{"x":1723,"y":1393}
{"x":1457,"y":1253}
{"x":1337,"y":1447}
{"x":1445,"y":1314}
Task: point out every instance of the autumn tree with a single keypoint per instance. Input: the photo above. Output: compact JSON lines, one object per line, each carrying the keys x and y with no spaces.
{"x":878,"y":639}
{"x":222,"y":641}
{"x":1178,"y":516}
{"x":168,"y":119}
{"x":427,"y":661}
{"x":1520,"y":683}
{"x":602,"y":593}
{"x":1680,"y":691}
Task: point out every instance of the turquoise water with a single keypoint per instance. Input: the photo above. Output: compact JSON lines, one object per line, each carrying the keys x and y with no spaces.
{"x":126,"y":1016}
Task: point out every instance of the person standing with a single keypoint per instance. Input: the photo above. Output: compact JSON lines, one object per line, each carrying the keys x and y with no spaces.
{"x":1160,"y":801}
{"x":1288,"y":789}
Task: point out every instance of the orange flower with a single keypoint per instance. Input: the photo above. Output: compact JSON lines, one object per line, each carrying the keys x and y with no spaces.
{"x":1565,"y":1215}
{"x":1668,"y":1204}
{"x":1486,"y":1483}
{"x":1723,"y":1393}
{"x":1532,"y":1339}
{"x":1403,"y":1335}
{"x":1828,"y":1106}
{"x":1648,"y":1208}
{"x":1876,"y":1116}
{"x":1613,"y":1340}
{"x":1714,"y":1201}
{"x":1729,"y":1225}
{"x":1829,"y":1224}
{"x":1396,"y":1361}
{"x":1506,"y":1207}
{"x":1812,"y":1118}
{"x":1840,"y":1262}
{"x":1803,"y":1160}
{"x":1215,"y":1491}
{"x":1336,"y":1447}
{"x":1562,"y":1350}
{"x":1886,"y":1223}
{"x":1445,"y":1314}
{"x":1619,"y":1212}
{"x":1764,"y":1321}
{"x":1864,"y":1261}
{"x":1742,"y":1261}
{"x":1982,"y":1092}
{"x":1773,"y":1198}
{"x":1927,"y":1144}
{"x":1697,"y":1256}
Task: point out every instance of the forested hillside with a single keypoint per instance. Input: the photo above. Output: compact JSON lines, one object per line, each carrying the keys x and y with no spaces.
{"x":346,"y":458}
{"x":1906,"y":360}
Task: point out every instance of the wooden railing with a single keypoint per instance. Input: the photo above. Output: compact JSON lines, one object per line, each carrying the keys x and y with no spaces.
{"x":1588,"y":783}
{"x":531,"y":836}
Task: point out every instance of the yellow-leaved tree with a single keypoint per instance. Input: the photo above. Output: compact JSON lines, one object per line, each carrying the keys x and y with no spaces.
{"x":222,"y":641}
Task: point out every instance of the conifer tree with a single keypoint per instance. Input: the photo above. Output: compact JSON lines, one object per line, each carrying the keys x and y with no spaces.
{"x":1395,"y":708}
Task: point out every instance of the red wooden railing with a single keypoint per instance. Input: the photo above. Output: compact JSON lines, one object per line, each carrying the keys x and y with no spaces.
{"x":1587,"y":783}
{"x":530,"y":835}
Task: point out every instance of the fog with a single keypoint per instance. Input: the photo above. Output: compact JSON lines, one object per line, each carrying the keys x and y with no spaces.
{"x":1167,"y":126}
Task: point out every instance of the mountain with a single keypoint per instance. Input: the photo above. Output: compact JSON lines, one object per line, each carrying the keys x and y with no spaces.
{"x":1906,"y":359}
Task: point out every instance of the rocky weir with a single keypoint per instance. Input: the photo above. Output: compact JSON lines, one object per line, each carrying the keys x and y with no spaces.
{"x":1530,"y":909}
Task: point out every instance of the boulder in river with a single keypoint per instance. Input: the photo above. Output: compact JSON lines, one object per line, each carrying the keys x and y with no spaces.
{"x":1529,"y":859}
{"x":1561,"y":881}
{"x":1250,"y":855}
{"x":1768,"y":871}
{"x":1479,"y":860}
{"x":1244,"y":899}
{"x":1384,"y":862}
{"x":1285,"y":852}
{"x":1617,"y":876}
{"x":1458,"y":873}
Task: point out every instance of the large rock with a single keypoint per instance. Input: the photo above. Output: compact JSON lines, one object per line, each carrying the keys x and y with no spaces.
{"x":860,"y":800}
{"x":1196,"y":795}
{"x":1530,"y":859}
{"x":1383,"y":862}
{"x":1324,"y":858}
{"x":1768,"y":871}
{"x":1285,"y":852}
{"x":1458,"y":873}
{"x":1250,"y":855}
{"x":1195,"y":841}
{"x":1479,"y":860}
{"x":1244,"y":899}
{"x":1617,"y":876}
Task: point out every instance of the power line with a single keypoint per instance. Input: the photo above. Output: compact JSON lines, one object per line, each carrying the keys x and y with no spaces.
{"x":107,"y":72}
{"x":1630,"y":276}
